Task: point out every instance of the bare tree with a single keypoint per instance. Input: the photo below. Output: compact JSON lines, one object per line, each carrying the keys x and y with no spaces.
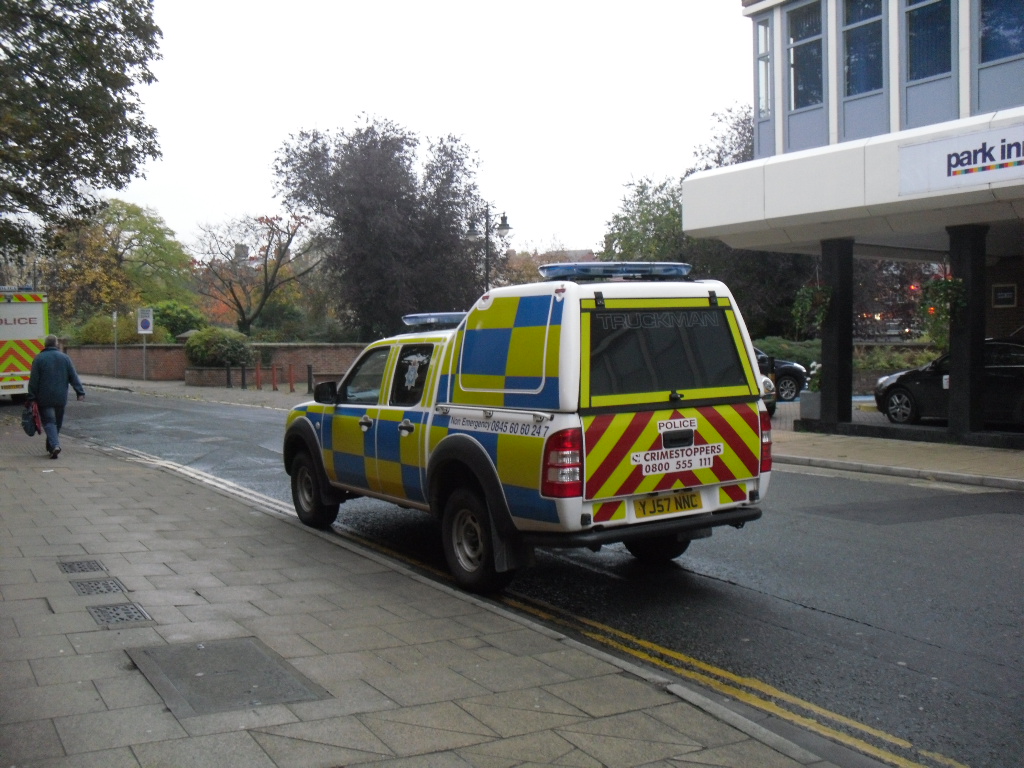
{"x":244,"y":262}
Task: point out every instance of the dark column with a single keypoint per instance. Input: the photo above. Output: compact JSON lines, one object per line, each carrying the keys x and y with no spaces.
{"x":967,"y":329}
{"x":837,"y":333}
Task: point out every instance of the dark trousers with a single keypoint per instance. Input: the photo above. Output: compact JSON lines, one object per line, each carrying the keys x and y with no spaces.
{"x":53,"y":419}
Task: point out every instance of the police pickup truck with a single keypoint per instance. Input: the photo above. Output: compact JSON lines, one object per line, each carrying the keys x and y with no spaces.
{"x":612,"y":402}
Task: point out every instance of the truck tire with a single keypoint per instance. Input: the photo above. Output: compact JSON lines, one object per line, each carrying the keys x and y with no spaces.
{"x":659,"y":549}
{"x":466,"y":536}
{"x":306,"y":495}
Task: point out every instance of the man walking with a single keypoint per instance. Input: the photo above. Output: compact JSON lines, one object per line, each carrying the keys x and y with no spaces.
{"x":52,"y":371}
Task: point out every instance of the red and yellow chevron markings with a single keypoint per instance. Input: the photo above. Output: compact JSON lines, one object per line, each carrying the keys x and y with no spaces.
{"x":612,"y":438}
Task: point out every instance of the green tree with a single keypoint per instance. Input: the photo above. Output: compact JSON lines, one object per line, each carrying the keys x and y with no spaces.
{"x":247,"y":260}
{"x":141,"y":244}
{"x":734,"y":143}
{"x":648,"y":227}
{"x":395,"y":238}
{"x":940,"y":298}
{"x":119,"y":257}
{"x":809,"y":309}
{"x":363,"y":183}
{"x":448,"y":199}
{"x":70,"y":117}
{"x":82,"y":277}
{"x":177,"y":317}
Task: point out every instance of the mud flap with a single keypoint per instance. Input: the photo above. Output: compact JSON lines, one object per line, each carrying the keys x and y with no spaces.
{"x":510,"y":555}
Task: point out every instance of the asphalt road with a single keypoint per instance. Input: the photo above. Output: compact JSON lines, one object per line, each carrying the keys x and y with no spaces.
{"x":892,"y":603}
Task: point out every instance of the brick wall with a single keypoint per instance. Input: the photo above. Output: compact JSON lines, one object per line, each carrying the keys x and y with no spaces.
{"x":163,"y":362}
{"x":166,"y":362}
{"x":330,"y":360}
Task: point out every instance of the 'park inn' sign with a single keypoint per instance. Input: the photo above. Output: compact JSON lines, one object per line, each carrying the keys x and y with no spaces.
{"x":963,"y":161}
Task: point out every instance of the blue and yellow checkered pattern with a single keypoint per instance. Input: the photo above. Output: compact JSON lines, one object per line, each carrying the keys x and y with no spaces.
{"x":508,"y":354}
{"x":379,"y":459}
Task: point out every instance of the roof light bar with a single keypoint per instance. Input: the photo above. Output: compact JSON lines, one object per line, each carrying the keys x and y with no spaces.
{"x":616,"y":270}
{"x":434,"y":320}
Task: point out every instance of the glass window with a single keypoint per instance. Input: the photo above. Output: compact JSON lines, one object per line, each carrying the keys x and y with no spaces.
{"x":861,"y":10}
{"x":411,"y":374}
{"x":764,"y":37}
{"x":764,"y":81}
{"x":362,"y":386}
{"x":806,"y":77}
{"x":929,"y":32}
{"x":662,"y":350}
{"x":1004,"y":355}
{"x":764,"y":69}
{"x":1002,"y":29}
{"x":804,"y":23}
{"x":862,"y":37}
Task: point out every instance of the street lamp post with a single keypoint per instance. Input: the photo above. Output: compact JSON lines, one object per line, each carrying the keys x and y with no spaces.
{"x":502,"y":229}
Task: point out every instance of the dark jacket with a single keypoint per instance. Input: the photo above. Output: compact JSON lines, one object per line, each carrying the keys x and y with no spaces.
{"x":52,"y":371}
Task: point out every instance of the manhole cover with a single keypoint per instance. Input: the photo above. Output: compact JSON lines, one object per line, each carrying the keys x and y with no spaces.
{"x":98,"y":586}
{"x":81,"y":566}
{"x":121,"y":613}
{"x":222,"y":675}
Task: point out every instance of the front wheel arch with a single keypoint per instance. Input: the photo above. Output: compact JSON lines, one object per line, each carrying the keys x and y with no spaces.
{"x":460,"y":463}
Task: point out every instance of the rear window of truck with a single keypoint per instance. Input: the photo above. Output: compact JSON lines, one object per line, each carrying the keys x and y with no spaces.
{"x":635,"y":351}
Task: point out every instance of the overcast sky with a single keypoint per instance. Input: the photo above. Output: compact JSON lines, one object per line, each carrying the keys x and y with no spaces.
{"x":565,"y":102}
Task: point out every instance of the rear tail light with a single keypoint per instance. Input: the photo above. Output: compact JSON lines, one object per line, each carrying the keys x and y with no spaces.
{"x":766,"y":441}
{"x":562,"y":470}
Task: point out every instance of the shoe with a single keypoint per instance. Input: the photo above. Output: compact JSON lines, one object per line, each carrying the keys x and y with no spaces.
{"x":55,"y":452}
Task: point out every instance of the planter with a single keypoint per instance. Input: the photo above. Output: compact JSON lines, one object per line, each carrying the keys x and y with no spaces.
{"x":810,"y":406}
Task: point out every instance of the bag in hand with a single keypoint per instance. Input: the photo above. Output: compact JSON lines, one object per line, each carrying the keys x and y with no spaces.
{"x":30,"y":420}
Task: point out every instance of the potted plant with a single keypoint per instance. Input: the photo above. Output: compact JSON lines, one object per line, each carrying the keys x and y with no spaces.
{"x":810,"y":400}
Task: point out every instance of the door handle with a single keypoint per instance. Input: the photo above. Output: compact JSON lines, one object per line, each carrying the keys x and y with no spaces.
{"x":365,"y":423}
{"x":406,"y":427}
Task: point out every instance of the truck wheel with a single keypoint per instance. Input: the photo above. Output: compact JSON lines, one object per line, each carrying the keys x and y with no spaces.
{"x":659,"y":549}
{"x":466,"y":535}
{"x":309,"y":504}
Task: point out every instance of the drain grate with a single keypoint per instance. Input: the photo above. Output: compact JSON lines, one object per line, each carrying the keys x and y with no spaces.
{"x":81,"y":566}
{"x":98,"y":586}
{"x":122,"y":613}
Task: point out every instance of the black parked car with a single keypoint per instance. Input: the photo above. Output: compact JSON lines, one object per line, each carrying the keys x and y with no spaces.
{"x":790,"y":377}
{"x":923,"y":393}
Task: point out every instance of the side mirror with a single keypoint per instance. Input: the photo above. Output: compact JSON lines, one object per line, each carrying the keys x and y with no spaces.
{"x":326,"y":392}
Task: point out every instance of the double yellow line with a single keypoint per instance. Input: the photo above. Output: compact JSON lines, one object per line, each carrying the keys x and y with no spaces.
{"x":750,"y":691}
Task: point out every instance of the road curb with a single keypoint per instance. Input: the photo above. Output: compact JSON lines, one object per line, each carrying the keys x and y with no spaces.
{"x":1002,"y":483}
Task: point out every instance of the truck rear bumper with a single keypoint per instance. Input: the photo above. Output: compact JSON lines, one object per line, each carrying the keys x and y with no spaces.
{"x":599,"y":535}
